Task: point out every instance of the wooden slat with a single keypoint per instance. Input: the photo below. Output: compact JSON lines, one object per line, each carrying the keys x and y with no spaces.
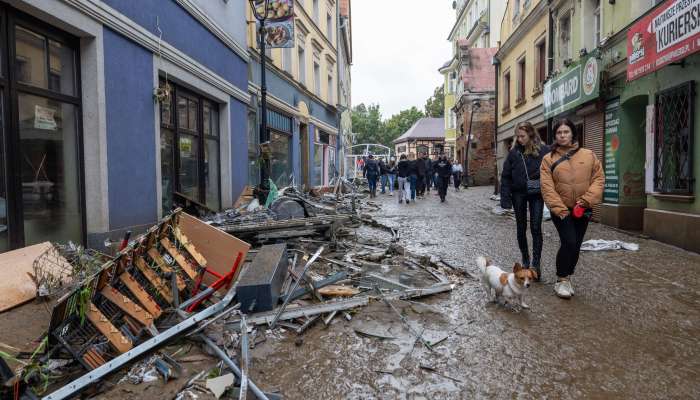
{"x":141,"y":294}
{"x":185,"y":242}
{"x":161,"y":285}
{"x":179,"y":258}
{"x":128,"y":306}
{"x":155,"y":256}
{"x":115,"y":337}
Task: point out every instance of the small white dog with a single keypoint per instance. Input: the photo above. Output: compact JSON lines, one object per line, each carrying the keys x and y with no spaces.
{"x":508,"y":286}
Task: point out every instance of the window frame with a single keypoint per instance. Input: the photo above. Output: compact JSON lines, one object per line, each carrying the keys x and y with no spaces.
{"x":178,"y":91}
{"x":521,"y":80}
{"x":540,"y":64}
{"x":506,"y":90}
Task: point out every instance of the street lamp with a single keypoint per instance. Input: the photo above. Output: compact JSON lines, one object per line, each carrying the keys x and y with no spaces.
{"x":475,"y":106}
{"x":261,"y":11}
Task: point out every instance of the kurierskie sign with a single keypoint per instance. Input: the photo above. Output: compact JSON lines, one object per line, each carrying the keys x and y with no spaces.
{"x":668,"y":34}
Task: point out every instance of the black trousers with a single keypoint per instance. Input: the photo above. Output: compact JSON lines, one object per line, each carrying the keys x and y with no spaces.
{"x":571,"y":232}
{"x":457,"y":179}
{"x":443,"y":184}
{"x":420,"y":185}
{"x":522,"y":202}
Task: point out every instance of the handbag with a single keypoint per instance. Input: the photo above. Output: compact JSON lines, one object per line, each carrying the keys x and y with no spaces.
{"x":533,"y":185}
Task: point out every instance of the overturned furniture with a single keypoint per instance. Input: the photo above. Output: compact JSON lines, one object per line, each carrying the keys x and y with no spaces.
{"x":122,"y":304}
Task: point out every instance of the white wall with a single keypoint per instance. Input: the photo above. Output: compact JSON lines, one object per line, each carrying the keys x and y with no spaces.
{"x":229,"y":15}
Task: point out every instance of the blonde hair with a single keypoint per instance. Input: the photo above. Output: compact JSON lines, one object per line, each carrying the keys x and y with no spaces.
{"x":533,"y":146}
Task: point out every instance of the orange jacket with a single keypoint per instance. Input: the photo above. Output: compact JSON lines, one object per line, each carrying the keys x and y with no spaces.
{"x":578,"y":179}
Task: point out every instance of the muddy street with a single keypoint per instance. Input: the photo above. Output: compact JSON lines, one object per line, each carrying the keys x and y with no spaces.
{"x":631,"y":331}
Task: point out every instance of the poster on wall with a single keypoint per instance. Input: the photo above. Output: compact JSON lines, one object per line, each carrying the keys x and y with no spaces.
{"x":279,"y":26}
{"x":668,"y":34}
{"x":612,"y":145}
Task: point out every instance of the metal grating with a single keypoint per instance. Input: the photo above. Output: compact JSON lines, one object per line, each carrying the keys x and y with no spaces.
{"x":673,"y":147}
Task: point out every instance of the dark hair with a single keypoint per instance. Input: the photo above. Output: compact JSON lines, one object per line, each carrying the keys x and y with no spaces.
{"x":558,"y":124}
{"x":403,"y":157}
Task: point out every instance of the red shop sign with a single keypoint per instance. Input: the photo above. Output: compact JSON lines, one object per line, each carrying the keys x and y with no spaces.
{"x":668,"y":34}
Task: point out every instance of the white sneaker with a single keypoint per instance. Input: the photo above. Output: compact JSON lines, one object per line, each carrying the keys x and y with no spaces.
{"x":562,"y":289}
{"x":569,"y":287}
{"x":391,"y":194}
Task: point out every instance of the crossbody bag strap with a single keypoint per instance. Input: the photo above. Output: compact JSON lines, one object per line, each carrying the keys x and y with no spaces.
{"x":565,"y":157}
{"x":522,"y":157}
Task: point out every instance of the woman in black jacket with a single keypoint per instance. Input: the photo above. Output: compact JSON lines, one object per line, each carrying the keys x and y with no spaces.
{"x":523,"y":164}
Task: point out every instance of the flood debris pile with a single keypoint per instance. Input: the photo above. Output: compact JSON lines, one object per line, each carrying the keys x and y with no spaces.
{"x":225,"y":285}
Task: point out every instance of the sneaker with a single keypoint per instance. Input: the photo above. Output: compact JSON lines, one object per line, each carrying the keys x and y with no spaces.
{"x":391,"y":194}
{"x":561,"y":288}
{"x":408,"y":201}
{"x":569,"y":286}
{"x":400,"y":201}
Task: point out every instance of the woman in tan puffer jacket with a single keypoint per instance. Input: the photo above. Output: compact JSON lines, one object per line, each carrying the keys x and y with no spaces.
{"x":571,"y":177}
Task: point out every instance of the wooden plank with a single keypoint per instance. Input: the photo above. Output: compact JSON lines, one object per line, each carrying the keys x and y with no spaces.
{"x":219,"y":248}
{"x":185,"y":242}
{"x":141,"y":294}
{"x":161,"y":285}
{"x":16,"y":285}
{"x":128,"y":306}
{"x":155,"y":256}
{"x":179,"y":258}
{"x":115,"y":337}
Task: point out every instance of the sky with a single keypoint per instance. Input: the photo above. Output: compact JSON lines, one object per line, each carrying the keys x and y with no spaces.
{"x":398,"y":46}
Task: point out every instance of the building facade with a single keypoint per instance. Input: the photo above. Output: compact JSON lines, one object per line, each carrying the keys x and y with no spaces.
{"x":114,"y":110}
{"x":522,"y":70}
{"x":426,"y":136}
{"x":303,"y":88}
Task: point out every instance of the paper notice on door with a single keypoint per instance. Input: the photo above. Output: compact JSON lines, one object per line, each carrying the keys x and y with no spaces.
{"x":44,"y":118}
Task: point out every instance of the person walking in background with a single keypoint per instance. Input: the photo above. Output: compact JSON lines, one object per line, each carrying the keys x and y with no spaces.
{"x":444,"y":170}
{"x":572,"y":183}
{"x":391,"y":176}
{"x":522,"y":165}
{"x":434,"y":175}
{"x":421,"y":175}
{"x":384,"y":174}
{"x":428,"y":173}
{"x":403,"y":169}
{"x":413,"y":175}
{"x":457,"y":174}
{"x":371,"y":172}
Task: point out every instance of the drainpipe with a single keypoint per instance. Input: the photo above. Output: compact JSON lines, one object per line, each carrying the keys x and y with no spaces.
{"x":496,"y":185}
{"x":550,"y":56}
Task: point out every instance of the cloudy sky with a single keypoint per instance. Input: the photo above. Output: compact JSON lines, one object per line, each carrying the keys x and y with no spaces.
{"x":398,"y":47}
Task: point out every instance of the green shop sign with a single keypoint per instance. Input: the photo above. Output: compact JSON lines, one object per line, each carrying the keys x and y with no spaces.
{"x":581,"y":83}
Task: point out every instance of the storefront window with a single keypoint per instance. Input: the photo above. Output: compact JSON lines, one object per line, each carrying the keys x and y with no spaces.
{"x":281,"y":160}
{"x":253,"y":163}
{"x":318,"y":165}
{"x":674,"y":140}
{"x":190,"y":162}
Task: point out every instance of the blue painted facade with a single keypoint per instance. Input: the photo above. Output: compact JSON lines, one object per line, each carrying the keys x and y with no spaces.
{"x":130,"y":133}
{"x":131,"y":146}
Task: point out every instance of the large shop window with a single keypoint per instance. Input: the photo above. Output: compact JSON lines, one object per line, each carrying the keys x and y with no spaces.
{"x":41,"y":196}
{"x":673,"y":145}
{"x":280,"y":133}
{"x":189,"y":144}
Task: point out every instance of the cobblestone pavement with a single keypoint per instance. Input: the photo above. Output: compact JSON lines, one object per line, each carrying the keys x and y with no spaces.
{"x":631,"y":332}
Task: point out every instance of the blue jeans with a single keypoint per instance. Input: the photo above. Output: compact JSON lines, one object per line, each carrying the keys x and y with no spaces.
{"x":384,"y":178}
{"x":413,"y":179}
{"x":392,"y":178}
{"x":372,"y":182}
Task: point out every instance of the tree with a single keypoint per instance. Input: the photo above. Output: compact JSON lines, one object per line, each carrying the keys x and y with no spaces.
{"x":399,"y":123}
{"x":367,"y":123}
{"x":435,"y":105}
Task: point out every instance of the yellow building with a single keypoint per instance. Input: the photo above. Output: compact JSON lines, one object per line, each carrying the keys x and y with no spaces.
{"x":304,"y":83}
{"x":522,"y":65}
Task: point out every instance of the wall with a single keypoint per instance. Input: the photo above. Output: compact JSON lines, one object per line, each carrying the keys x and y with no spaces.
{"x":130,"y":132}
{"x":223,"y":12}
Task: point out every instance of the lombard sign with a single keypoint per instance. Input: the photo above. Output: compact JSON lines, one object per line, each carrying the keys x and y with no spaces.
{"x":576,"y":86}
{"x":668,"y":34}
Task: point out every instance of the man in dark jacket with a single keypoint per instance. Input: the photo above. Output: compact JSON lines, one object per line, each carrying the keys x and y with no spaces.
{"x":413,"y":175}
{"x":421,"y":175}
{"x":428,"y":173}
{"x":372,"y":172}
{"x":443,"y":168}
{"x":403,"y":169}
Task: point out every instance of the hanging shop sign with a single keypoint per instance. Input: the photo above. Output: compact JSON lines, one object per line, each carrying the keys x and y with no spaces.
{"x":612,"y":145}
{"x":279,"y":26}
{"x":580,"y":84}
{"x":668,"y":34}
